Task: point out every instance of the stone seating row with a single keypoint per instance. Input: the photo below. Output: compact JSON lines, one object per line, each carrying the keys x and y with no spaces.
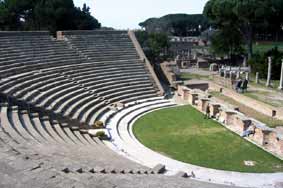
{"x":92,"y":49}
{"x":24,"y":126}
{"x":38,"y":131}
{"x":17,"y":64}
{"x":104,"y":46}
{"x":33,"y":54}
{"x":50,"y":93}
{"x":18,"y":48}
{"x":119,"y":124}
{"x":99,"y":38}
{"x":91,"y":32}
{"x":27,"y":57}
{"x":44,"y":99}
{"x":107,"y":51}
{"x":71,"y":67}
{"x":39,"y":64}
{"x":95,"y":114}
{"x":14,"y":86}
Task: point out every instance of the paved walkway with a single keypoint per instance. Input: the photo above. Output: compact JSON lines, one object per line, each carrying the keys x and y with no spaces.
{"x":124,"y":142}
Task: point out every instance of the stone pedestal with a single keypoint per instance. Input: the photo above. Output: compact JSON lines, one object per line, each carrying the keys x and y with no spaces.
{"x":268,"y":82}
{"x":214,"y":109}
{"x":241,"y":124}
{"x":192,"y":98}
{"x":227,"y":116}
{"x":202,"y":104}
{"x":281,"y":78}
{"x":261,"y":136}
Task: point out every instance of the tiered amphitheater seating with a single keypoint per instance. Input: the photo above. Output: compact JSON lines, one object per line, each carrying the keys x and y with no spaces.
{"x":103,"y":45}
{"x":78,"y":78}
{"x":48,"y":88}
{"x":52,"y":91}
{"x":34,"y":131}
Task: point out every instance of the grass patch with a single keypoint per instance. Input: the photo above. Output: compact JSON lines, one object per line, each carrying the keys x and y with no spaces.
{"x":266,"y":46}
{"x":260,"y":96}
{"x":262,"y":84}
{"x":182,"y":133}
{"x":269,"y":121}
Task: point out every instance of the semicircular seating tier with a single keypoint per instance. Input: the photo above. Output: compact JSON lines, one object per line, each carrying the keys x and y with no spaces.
{"x":78,"y":77}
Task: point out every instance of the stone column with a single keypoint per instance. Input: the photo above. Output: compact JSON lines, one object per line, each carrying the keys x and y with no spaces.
{"x":268,"y":82}
{"x":248,"y":76}
{"x":281,"y":78}
{"x":238,"y":75}
{"x":257,"y":78}
{"x":245,"y":62}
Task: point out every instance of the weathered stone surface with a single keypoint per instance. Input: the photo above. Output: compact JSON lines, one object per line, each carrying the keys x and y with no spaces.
{"x":159,"y":169}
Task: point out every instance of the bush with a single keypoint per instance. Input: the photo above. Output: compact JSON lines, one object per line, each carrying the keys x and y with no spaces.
{"x":259,"y":63}
{"x":98,"y":125}
{"x":101,"y":135}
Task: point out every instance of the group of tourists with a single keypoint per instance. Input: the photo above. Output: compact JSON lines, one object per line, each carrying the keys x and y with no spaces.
{"x":241,"y":86}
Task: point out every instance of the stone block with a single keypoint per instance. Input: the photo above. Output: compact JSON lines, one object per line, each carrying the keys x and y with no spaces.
{"x":226,"y":116}
{"x":192,"y":98}
{"x":202,"y":104}
{"x":240,"y":123}
{"x":159,"y":169}
{"x":214,"y":109}
{"x":182,"y":174}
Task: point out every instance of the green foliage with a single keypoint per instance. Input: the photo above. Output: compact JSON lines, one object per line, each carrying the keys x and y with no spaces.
{"x":50,"y":15}
{"x":177,"y":24}
{"x":101,"y":135}
{"x":227,"y":42}
{"x":98,"y":125}
{"x":154,"y":44}
{"x":245,"y":16}
{"x":259,"y":63}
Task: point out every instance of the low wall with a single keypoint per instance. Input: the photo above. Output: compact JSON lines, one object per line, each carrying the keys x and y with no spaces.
{"x":249,"y":102}
{"x":169,"y":74}
{"x":200,"y":86}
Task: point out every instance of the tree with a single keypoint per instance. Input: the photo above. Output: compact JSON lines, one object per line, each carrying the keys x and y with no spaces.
{"x":49,"y":15}
{"x":251,"y":14}
{"x":245,"y":15}
{"x":227,"y":42}
{"x":177,"y":24}
{"x":259,"y":63}
{"x":84,"y":20}
{"x":276,"y":17}
{"x":154,"y":44}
